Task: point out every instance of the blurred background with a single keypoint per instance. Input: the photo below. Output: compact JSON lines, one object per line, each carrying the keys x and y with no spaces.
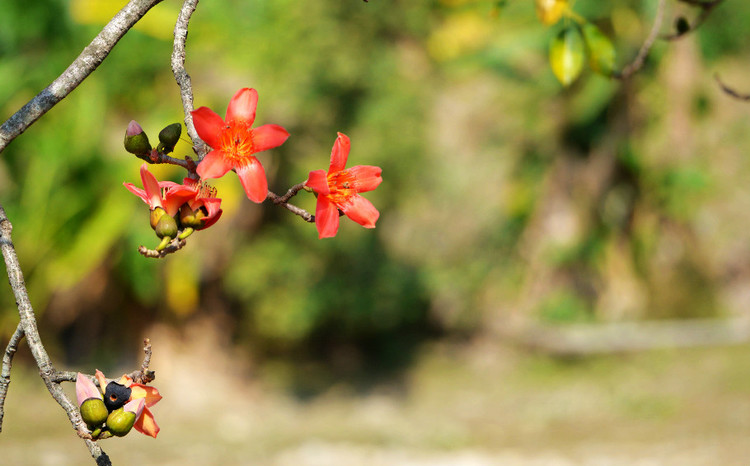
{"x":530,"y":237}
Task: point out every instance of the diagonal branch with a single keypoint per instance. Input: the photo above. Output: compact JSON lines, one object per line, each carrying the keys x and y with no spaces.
{"x":10,"y":351}
{"x":30,"y":331}
{"x":89,"y":59}
{"x":640,"y":58}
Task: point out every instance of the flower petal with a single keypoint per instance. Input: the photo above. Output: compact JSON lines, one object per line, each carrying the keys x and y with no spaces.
{"x":253,"y":179}
{"x":318,"y":181}
{"x":214,"y":165}
{"x":135,"y":406}
{"x":361,"y":211}
{"x":268,"y":136}
{"x":242,"y":106}
{"x":209,"y":126}
{"x":214,"y":212}
{"x":150,"y":394}
{"x":151,"y":186}
{"x":86,"y":389}
{"x":366,"y":177}
{"x":102,"y":381}
{"x":146,"y":424}
{"x":339,"y":153}
{"x":326,"y":218}
{"x":137,"y":191}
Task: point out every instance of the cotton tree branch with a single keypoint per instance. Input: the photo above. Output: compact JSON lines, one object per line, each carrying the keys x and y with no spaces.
{"x":28,"y":328}
{"x":640,"y":58}
{"x":91,"y":57}
{"x":181,"y":75}
{"x":10,"y":351}
{"x":284,"y":202}
{"x":731,"y":92}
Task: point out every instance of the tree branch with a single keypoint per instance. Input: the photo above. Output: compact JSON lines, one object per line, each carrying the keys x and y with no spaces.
{"x":284,"y":201}
{"x":181,"y":75}
{"x":10,"y":351}
{"x":91,"y":57}
{"x":640,"y":58}
{"x":31,"y":332}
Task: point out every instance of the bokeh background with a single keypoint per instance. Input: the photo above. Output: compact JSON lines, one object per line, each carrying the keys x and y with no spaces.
{"x":511,"y":210}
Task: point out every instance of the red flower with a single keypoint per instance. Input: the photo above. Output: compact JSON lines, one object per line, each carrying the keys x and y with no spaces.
{"x":234,"y":142}
{"x":204,"y":206}
{"x":159,"y":193}
{"x":340,"y":188}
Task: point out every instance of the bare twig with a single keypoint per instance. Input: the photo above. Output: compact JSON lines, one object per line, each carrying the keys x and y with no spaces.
{"x":284,"y":201}
{"x":731,"y":92}
{"x":91,"y":57}
{"x":34,"y":341}
{"x":10,"y":351}
{"x":640,"y":59}
{"x":181,"y":75}
{"x":174,"y":246}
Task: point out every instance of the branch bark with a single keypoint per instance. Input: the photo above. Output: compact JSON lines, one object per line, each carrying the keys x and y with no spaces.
{"x":181,"y":75}
{"x":89,"y":59}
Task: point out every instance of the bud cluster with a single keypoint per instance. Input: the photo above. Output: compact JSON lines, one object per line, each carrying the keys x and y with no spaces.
{"x":114,"y":408}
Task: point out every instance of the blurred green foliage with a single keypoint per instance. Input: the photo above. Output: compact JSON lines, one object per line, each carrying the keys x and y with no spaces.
{"x":503,"y":193}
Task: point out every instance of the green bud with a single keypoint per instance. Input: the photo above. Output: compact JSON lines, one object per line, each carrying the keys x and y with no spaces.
{"x":136,"y":141}
{"x":94,"y":412}
{"x":166,"y":227}
{"x":168,"y":137}
{"x":119,"y":422}
{"x":156,"y":215}
{"x":191,"y":218}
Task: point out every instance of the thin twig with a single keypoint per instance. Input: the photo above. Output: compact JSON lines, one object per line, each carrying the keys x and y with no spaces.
{"x":174,"y":246}
{"x":731,"y":92}
{"x":640,"y":59}
{"x":10,"y":351}
{"x":181,"y":75}
{"x":284,"y":201}
{"x":91,"y":57}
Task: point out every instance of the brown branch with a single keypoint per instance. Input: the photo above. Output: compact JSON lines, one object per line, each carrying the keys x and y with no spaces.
{"x":89,"y":59}
{"x":181,"y":75}
{"x":10,"y":351}
{"x":640,"y":58}
{"x":34,"y":341}
{"x":731,"y":92}
{"x":284,"y":201}
{"x":174,"y":246}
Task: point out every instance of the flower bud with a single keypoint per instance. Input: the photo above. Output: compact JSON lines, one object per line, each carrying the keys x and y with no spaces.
{"x":191,"y":218}
{"x":119,"y":422}
{"x":156,"y":215}
{"x":168,"y":137}
{"x":94,"y":412}
{"x":166,"y":226}
{"x":136,"y":141}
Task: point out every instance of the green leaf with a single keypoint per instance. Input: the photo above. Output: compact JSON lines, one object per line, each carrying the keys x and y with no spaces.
{"x":566,"y":55}
{"x":600,"y":48}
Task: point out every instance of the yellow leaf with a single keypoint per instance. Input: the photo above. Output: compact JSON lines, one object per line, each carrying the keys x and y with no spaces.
{"x":566,"y":55}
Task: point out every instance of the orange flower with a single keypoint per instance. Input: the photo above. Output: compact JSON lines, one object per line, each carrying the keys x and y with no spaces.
{"x":234,"y":142}
{"x":145,"y":422}
{"x":340,"y":188}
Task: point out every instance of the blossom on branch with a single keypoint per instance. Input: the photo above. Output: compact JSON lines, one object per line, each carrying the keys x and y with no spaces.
{"x":339,"y":190}
{"x":234,"y":142}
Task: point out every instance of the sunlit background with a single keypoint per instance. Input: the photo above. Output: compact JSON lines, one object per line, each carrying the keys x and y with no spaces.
{"x":510,"y":205}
